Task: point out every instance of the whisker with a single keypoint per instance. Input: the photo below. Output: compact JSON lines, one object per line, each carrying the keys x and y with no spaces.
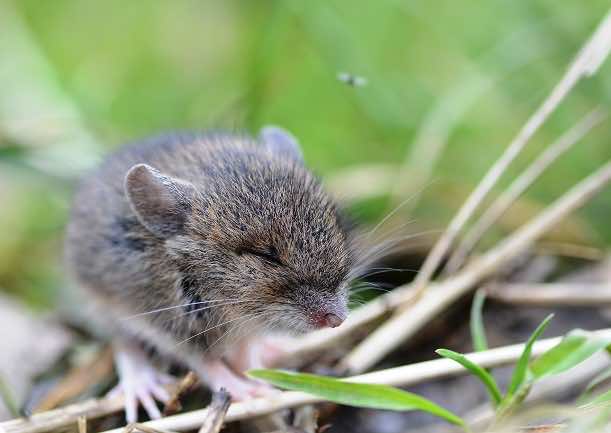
{"x":211,"y":328}
{"x":209,"y":307}
{"x":381,"y":246}
{"x":397,"y":229}
{"x":364,"y":289}
{"x":384,"y":248}
{"x":356,"y":302}
{"x":399,"y":206}
{"x":372,"y":283}
{"x":390,"y":243}
{"x":233,"y":329}
{"x":383,"y":271}
{"x":159,"y":310}
{"x":216,"y":302}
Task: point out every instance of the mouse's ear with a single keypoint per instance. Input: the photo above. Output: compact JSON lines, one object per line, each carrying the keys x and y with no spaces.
{"x":281,"y":142}
{"x":161,"y":203}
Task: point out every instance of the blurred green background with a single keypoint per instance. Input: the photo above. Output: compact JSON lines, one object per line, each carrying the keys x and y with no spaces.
{"x":78,"y":78}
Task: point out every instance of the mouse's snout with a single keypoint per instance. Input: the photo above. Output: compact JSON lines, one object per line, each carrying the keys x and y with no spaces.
{"x":317,"y":309}
{"x":327,"y":320}
{"x":327,"y":311}
{"x":329,"y":314}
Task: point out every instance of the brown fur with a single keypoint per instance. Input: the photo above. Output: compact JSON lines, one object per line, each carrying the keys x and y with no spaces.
{"x":238,"y":221}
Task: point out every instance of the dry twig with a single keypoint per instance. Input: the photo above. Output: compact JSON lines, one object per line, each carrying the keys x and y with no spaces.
{"x":143,"y":428}
{"x":82,"y":424}
{"x":547,"y":428}
{"x":306,"y":419}
{"x":398,"y":376}
{"x":57,"y":418}
{"x":405,"y":324}
{"x":565,"y":249}
{"x":586,"y":63}
{"x":78,"y":380}
{"x":369,"y":313}
{"x":216,"y":412}
{"x":520,"y":185}
{"x":185,"y":385}
{"x":409,"y":320}
{"x":552,"y":294}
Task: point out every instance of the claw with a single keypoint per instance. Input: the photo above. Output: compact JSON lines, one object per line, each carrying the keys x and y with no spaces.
{"x":140,"y":383}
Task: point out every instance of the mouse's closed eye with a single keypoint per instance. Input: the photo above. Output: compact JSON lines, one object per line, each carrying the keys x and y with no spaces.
{"x":268,"y":254}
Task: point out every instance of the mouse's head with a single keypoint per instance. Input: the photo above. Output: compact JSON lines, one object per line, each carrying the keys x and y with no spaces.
{"x":256,"y":235}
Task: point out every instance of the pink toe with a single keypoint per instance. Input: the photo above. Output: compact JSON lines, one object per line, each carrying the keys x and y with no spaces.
{"x":149,"y":405}
{"x":131,"y":406}
{"x":160,"y":393}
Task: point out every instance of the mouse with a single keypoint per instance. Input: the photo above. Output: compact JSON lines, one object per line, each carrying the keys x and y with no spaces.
{"x":190,"y":246}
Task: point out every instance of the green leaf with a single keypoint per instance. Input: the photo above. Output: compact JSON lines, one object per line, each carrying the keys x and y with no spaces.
{"x":354,"y":394}
{"x":11,"y":151}
{"x":598,"y":379}
{"x":483,"y":375}
{"x":575,"y":347}
{"x":602,"y":398}
{"x":478,"y":333}
{"x":7,"y":397}
{"x":521,"y":369}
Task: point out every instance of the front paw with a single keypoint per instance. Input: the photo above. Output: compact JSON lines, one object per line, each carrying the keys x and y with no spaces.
{"x":139,"y":383}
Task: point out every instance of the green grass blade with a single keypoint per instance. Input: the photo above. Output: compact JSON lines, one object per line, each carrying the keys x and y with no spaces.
{"x":483,"y":375}
{"x":575,"y":347}
{"x":605,"y":397}
{"x":521,"y":369}
{"x":7,"y":397}
{"x":600,"y":378}
{"x":478,"y":332}
{"x":354,"y":394}
{"x":510,"y":403}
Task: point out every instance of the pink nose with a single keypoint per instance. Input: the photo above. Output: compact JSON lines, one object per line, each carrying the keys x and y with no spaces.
{"x":328,"y":320}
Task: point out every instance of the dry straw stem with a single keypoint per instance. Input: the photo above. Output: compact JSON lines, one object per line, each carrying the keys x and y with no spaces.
{"x":217,"y":411}
{"x":586,"y":63}
{"x":186,"y":383}
{"x":68,"y":415}
{"x":568,"y":249}
{"x":82,"y":424}
{"x":398,"y":376}
{"x":547,"y":428}
{"x":521,"y":184}
{"x":552,"y":294}
{"x":78,"y":380}
{"x":318,"y":341}
{"x":137,"y":427}
{"x":435,"y":300}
